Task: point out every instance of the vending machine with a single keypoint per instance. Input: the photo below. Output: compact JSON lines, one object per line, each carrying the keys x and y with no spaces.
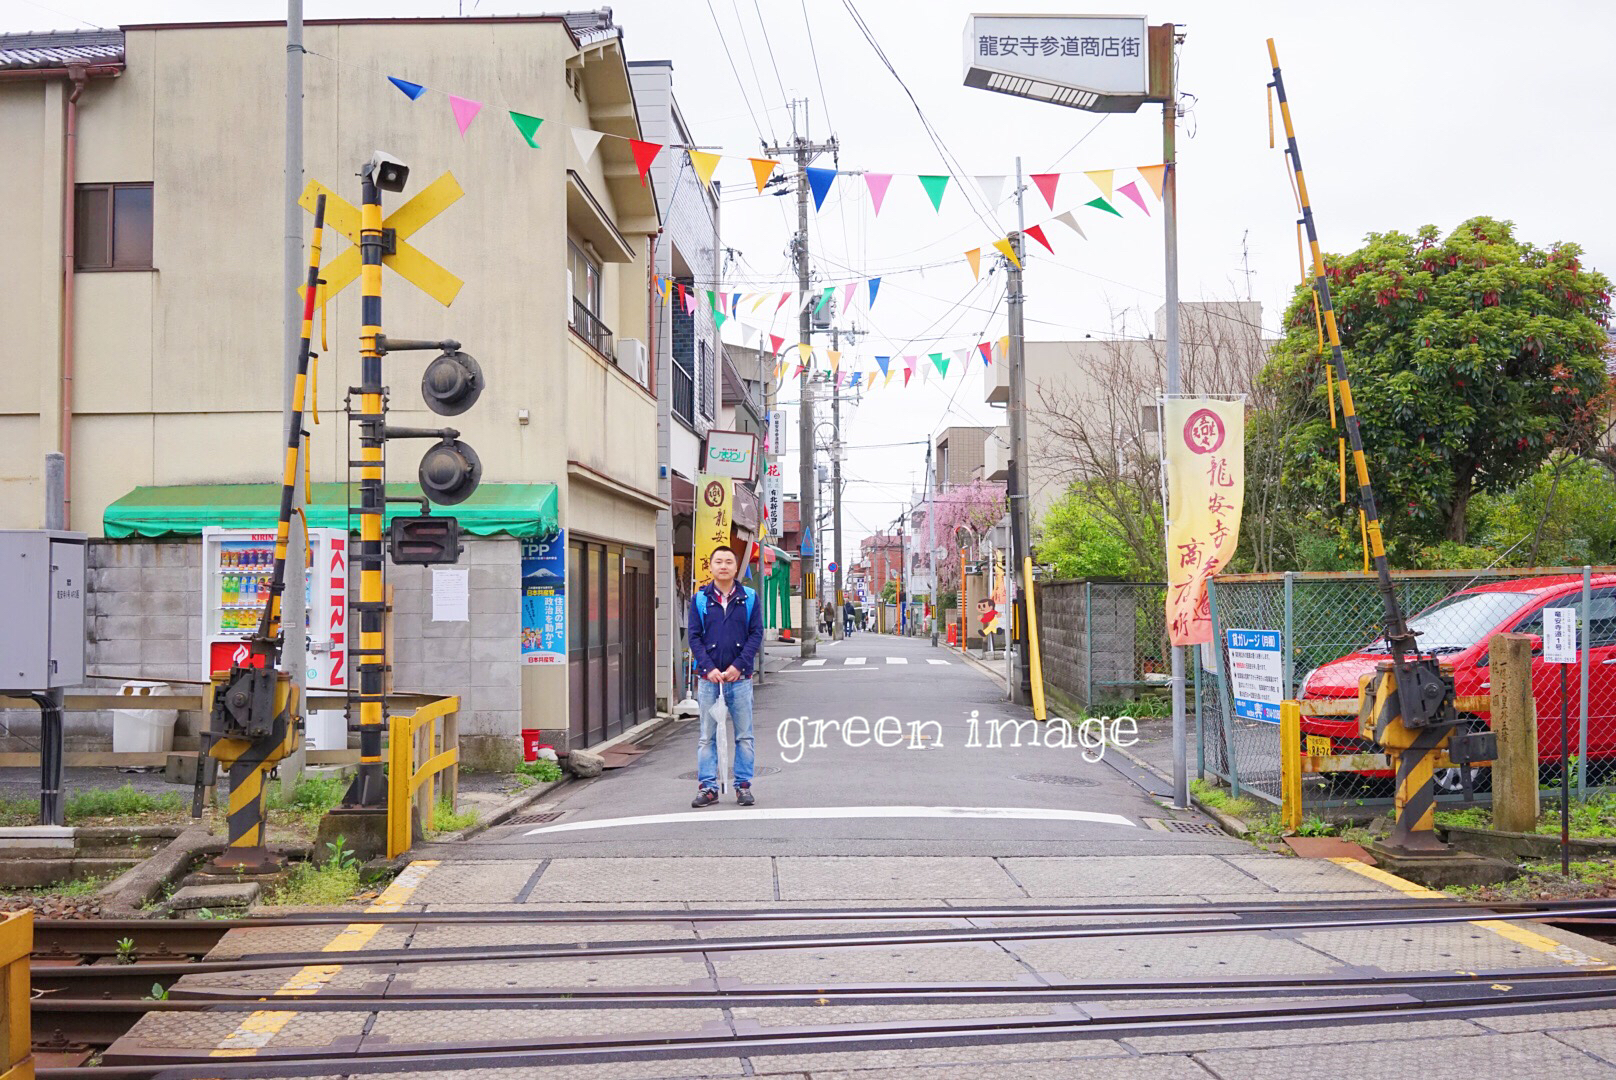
{"x":237,"y":567}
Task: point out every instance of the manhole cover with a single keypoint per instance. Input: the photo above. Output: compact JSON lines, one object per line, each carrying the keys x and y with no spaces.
{"x":1196,"y":827}
{"x":760,"y":770}
{"x":535,"y":819}
{"x":1055,"y":778}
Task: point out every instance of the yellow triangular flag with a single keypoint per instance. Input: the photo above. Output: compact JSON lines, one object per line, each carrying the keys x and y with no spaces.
{"x":1153,"y":175}
{"x":761,"y":297}
{"x":1009,"y":252}
{"x":762,"y":168}
{"x":974,"y":257}
{"x":704,"y":164}
{"x":892,"y":369}
{"x":667,"y":287}
{"x":805,"y":354}
{"x":835,"y":361}
{"x":1102,"y":180}
{"x":1004,"y":346}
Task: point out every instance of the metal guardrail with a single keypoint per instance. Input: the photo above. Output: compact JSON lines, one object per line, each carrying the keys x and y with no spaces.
{"x":589,"y":327}
{"x":430,"y":735}
{"x":16,"y":943}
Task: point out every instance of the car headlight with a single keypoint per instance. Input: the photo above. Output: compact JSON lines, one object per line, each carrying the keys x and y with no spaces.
{"x":1302,"y":687}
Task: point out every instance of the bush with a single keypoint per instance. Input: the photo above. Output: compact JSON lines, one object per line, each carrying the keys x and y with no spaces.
{"x":332,"y":881}
{"x":121,"y":802}
{"x":543,"y":771}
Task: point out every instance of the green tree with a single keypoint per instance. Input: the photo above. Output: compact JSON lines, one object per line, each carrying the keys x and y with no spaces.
{"x":1079,"y":540}
{"x":889,"y":591}
{"x":1472,"y":359}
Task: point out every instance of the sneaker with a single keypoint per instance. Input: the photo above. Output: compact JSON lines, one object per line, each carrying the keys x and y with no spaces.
{"x":743,"y":794}
{"x":704,"y":797}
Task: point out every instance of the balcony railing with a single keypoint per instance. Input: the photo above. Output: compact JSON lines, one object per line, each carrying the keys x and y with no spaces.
{"x":592,"y":329}
{"x":684,"y":392}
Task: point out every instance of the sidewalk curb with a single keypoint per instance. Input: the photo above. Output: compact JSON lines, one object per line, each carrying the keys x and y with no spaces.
{"x":982,"y":665}
{"x":1227,"y":822}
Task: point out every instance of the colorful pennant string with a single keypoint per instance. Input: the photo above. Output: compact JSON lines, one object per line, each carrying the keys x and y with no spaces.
{"x":1037,"y":233}
{"x":1047,"y":183}
{"x":1007,"y":251}
{"x":762,"y":169}
{"x":1131,"y":190}
{"x":528,"y":126}
{"x":934,"y":186}
{"x":974,"y":257}
{"x":877,"y":183}
{"x":819,"y":181}
{"x":465,"y":110}
{"x":704,"y":164}
{"x":411,"y":90}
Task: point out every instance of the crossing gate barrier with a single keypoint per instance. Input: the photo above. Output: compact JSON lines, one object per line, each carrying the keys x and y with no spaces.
{"x":16,"y":943}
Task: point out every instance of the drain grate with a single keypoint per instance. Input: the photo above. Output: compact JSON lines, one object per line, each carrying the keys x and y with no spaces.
{"x":1056,"y":778}
{"x":759,"y":770}
{"x":1196,"y":827}
{"x":535,"y":819}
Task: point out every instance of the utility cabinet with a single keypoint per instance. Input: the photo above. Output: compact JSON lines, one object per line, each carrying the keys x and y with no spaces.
{"x":42,"y":587}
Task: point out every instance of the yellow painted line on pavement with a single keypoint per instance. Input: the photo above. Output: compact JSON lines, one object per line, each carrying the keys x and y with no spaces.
{"x":1520,"y":935}
{"x":254,"y":1033}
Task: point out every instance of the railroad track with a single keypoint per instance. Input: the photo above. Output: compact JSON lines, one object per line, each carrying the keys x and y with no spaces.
{"x":86,"y":998}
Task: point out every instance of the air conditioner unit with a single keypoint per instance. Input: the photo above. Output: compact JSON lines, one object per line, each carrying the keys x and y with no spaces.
{"x":632,"y":358}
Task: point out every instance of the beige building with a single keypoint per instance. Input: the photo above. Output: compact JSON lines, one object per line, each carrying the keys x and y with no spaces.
{"x":154,"y":360}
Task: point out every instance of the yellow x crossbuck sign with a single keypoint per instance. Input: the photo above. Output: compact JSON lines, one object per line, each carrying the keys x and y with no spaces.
{"x":406,"y":261}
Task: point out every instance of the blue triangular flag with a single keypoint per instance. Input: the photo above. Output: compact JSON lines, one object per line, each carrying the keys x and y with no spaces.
{"x":875,"y":286}
{"x":411,"y":90}
{"x":857,"y":377}
{"x":819,"y":181}
{"x":882,"y":362}
{"x":734,"y":303}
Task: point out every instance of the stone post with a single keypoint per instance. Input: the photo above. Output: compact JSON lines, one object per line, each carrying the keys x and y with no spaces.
{"x":1514,"y":719}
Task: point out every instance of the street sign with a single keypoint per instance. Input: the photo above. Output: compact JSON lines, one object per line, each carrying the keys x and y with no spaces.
{"x":833,"y":568}
{"x":1256,"y":674}
{"x":406,"y":261}
{"x":1096,"y":62}
{"x":732,"y":454}
{"x":1560,"y":635}
{"x":777,"y":432}
{"x":773,"y":501}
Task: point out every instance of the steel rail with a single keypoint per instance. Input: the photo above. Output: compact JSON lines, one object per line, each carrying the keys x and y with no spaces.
{"x":262,"y":961}
{"x":270,"y":1063}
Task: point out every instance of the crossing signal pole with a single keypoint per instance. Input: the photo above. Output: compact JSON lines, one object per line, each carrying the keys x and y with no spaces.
{"x":804,"y":151}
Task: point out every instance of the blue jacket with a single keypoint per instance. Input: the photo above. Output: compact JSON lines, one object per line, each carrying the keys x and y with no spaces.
{"x":724,"y":636}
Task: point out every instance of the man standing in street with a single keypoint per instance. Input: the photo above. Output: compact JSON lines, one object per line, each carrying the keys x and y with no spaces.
{"x":725,"y":626}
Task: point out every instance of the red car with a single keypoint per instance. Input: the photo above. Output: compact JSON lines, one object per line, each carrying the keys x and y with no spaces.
{"x":1457,"y":631}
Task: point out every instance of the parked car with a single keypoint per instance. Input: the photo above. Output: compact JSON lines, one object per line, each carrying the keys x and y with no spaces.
{"x":1457,"y":631}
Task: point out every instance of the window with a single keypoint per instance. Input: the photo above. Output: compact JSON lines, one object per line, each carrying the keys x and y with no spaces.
{"x":709,"y":382}
{"x":112,"y":227}
{"x":682,"y":340}
{"x":583,"y":281}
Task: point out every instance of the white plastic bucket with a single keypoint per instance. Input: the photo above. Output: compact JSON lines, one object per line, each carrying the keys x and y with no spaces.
{"x":325,"y":729}
{"x":143,"y":731}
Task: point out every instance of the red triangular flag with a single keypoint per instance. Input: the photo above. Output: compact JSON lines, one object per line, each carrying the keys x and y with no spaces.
{"x":800,"y":369}
{"x":1037,"y":233}
{"x":1047,"y":183}
{"x":907,"y":374}
{"x":644,"y":154}
{"x":776,"y":340}
{"x":987,"y":352}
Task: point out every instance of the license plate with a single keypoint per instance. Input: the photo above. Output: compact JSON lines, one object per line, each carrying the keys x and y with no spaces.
{"x":1318,"y":746}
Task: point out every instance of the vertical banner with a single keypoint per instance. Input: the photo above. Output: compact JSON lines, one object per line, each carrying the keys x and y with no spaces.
{"x":1205,"y":454}
{"x":773,"y":502}
{"x":714,"y":495}
{"x":544,"y":600}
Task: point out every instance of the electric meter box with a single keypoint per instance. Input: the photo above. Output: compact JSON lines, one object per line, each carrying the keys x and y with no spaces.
{"x":42,"y":586}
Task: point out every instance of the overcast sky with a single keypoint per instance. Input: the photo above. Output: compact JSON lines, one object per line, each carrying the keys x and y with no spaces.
{"x":1407,"y":114}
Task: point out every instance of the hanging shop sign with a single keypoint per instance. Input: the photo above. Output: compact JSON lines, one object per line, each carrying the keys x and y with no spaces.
{"x":1206,"y":485}
{"x":732,"y":454}
{"x":544,"y":600}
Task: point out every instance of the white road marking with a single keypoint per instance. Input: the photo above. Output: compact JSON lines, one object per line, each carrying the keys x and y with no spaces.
{"x":853,"y":660}
{"x":930,"y":661}
{"x":814,"y":663}
{"x":897,"y":659}
{"x":791,"y":813}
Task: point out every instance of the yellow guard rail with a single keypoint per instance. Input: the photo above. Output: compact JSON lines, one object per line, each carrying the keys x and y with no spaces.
{"x":430,"y":735}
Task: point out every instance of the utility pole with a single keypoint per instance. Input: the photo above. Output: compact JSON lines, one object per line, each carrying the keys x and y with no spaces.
{"x":805,"y":151}
{"x":836,"y":476}
{"x":931,"y":547}
{"x":1181,"y":781}
{"x":1017,"y":487}
{"x":294,"y":627}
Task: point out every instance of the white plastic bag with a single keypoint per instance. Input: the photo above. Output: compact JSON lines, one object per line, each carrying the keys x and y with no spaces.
{"x":724,"y":740}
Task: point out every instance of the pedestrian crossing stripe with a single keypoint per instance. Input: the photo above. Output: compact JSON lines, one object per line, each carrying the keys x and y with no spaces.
{"x":813,"y":663}
{"x":853,"y":660}
{"x":897,"y":659}
{"x":860,"y":661}
{"x":931,"y":661}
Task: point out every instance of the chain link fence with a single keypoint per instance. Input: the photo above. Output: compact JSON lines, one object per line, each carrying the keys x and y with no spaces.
{"x":1105,"y":651}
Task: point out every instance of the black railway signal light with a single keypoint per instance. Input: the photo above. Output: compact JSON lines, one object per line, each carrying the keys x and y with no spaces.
{"x":450,"y":471}
{"x":425,"y":540}
{"x":451,"y":383}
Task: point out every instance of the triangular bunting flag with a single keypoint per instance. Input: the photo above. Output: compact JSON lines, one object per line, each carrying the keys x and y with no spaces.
{"x":882,"y":362}
{"x":1037,"y":233}
{"x":1131,"y":190}
{"x":824,"y":298}
{"x":807,"y":302}
{"x":681,"y":289}
{"x":704,"y":164}
{"x":712,"y":299}
{"x":909,"y":364}
{"x":1004,"y":345}
{"x":718,"y":319}
{"x":1047,"y":182}
{"x":1007,"y":251}
{"x":877,"y":183}
{"x":759,"y":301}
{"x":1070,"y":222}
{"x":465,"y":110}
{"x":762,"y":169}
{"x":855,"y":378}
{"x":775,"y":342}
{"x":992,"y":187}
{"x":962,"y":357}
{"x":783,"y":298}
{"x":974,"y":257}
{"x":734,"y":303}
{"x":908,"y":373}
{"x":1102,"y":180}
{"x":528,"y":126}
{"x":1153,"y":175}
{"x":690,"y":301}
{"x":1101,"y":204}
{"x":934,"y":186}
{"x":749,"y":334}
{"x":800,"y":369}
{"x":644,"y":154}
{"x":586,"y":139}
{"x":847,"y":295}
{"x":412,"y":90}
{"x":940,"y":362}
{"x":819,"y":181}
{"x":875,"y":286}
{"x":888,"y":380}
{"x":805,"y":353}
{"x":987,"y":353}
{"x":835,"y":360}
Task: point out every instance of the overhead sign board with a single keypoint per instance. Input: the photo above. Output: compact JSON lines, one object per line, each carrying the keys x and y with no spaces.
{"x":1096,"y":62}
{"x":732,"y":454}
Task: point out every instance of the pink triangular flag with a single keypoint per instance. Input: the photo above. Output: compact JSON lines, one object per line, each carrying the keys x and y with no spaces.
{"x":783,"y":298}
{"x":847,"y":294}
{"x":987,"y":352}
{"x":877,"y":183}
{"x":776,"y":341}
{"x":465,"y":110}
{"x":1047,"y":182}
{"x":1131,"y":190}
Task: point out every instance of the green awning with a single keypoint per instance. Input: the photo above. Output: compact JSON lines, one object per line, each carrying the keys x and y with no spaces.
{"x":524,"y":510}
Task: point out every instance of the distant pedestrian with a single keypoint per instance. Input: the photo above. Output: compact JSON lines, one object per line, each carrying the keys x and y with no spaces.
{"x":725,"y":624}
{"x":847,"y":616}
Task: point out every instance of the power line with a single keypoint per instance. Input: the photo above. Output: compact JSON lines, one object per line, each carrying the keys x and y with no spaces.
{"x":770,"y":43}
{"x":735,"y":70}
{"x":746,"y":42}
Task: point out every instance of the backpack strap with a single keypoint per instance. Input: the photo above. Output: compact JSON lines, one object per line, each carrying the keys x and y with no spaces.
{"x":701,"y":604}
{"x":751,"y":602}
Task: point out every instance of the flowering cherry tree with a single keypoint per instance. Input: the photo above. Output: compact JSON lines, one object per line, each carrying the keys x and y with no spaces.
{"x":964,"y":512}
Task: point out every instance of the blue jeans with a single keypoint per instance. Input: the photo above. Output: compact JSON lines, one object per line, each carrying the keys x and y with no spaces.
{"x":738,"y":699}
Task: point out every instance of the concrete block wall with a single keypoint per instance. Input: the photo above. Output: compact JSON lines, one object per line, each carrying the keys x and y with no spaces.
{"x":1071,"y":660}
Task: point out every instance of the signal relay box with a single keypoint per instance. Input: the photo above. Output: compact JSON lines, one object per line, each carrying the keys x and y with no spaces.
{"x":42,"y":593}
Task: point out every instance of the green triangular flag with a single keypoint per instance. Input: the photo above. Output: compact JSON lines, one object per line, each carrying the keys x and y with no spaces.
{"x":718,"y":318}
{"x":712,"y":301}
{"x":1101,"y":204}
{"x":941,"y":363}
{"x":528,"y":126}
{"x":824,"y":299}
{"x":934,"y":186}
